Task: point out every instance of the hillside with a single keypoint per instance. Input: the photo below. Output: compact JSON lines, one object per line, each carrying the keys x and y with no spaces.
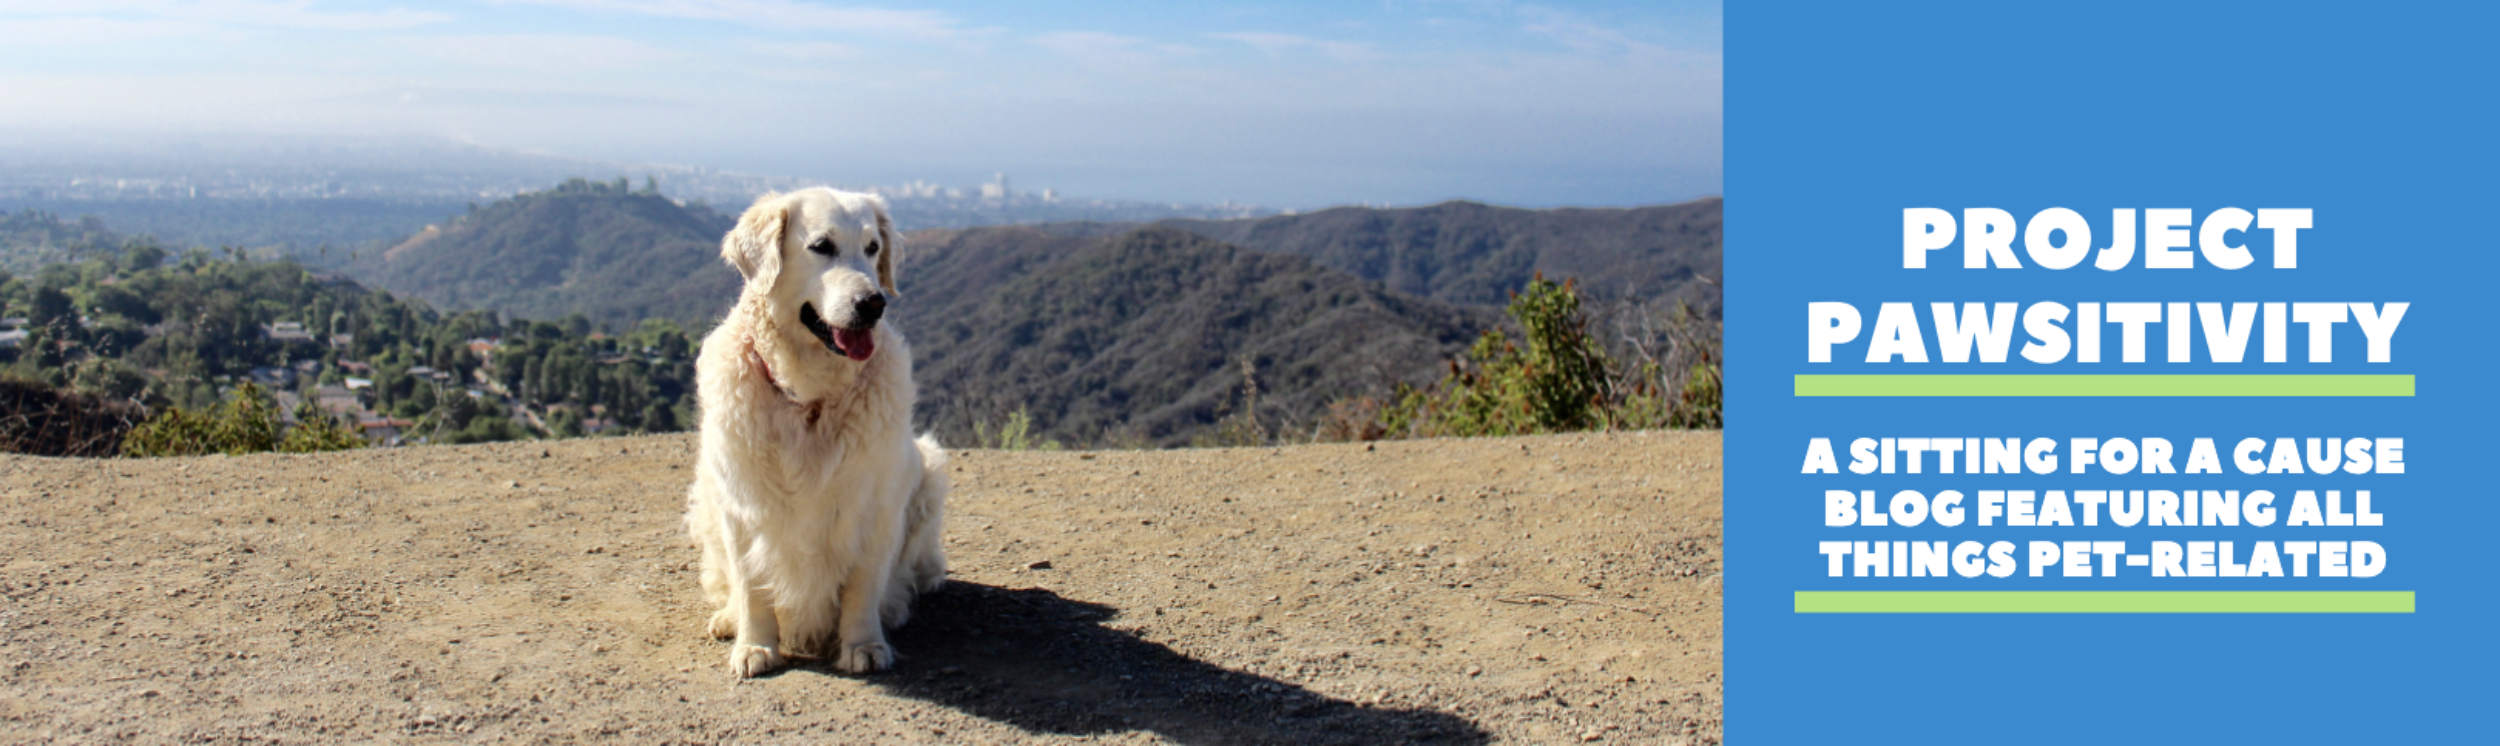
{"x":593,"y":249}
{"x":1140,"y":338}
{"x":1103,"y":332}
{"x":31,"y":239}
{"x":298,"y":228}
{"x":1531,"y":590}
{"x":1469,"y":253}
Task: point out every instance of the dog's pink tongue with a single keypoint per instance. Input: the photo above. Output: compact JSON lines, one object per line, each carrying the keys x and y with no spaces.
{"x":858,"y":344}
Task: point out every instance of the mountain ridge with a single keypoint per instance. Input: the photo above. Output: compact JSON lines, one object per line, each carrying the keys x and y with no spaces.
{"x":1143,"y":338}
{"x":1100,"y":331}
{"x":1474,"y":253}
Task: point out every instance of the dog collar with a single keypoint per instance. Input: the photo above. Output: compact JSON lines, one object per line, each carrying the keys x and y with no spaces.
{"x":765,"y":369}
{"x":815,"y":409}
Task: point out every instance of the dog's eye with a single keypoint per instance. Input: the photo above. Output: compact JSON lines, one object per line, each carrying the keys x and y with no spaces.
{"x":825,"y":246}
{"x":872,"y":248}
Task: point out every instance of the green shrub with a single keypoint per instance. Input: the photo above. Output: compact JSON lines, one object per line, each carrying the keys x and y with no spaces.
{"x":316,"y":431}
{"x":1016,"y":434}
{"x":1558,"y":378}
{"x":247,"y":422}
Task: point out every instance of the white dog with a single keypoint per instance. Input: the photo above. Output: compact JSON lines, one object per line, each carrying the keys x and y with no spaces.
{"x":818,"y":515}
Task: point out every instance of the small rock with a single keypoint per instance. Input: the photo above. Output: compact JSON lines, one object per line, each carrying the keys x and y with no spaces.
{"x":512,"y":485}
{"x":1042,"y":565}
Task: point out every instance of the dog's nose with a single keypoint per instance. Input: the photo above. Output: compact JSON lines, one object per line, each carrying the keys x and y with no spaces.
{"x":869,"y":310}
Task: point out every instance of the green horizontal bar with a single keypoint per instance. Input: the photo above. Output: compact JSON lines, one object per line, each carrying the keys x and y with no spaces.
{"x":2105,"y":385}
{"x":2104,"y":602}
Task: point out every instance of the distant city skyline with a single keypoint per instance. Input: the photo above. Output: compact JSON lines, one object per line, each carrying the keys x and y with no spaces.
{"x":1293,"y":106}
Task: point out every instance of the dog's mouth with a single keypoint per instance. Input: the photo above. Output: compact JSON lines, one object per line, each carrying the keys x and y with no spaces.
{"x":856,"y":344}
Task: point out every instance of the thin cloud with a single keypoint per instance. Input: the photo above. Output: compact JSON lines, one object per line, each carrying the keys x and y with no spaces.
{"x":1580,"y":33}
{"x":299,"y":14}
{"x":784,"y":15}
{"x":84,"y":31}
{"x":1271,"y":43}
{"x":542,"y":52}
{"x":804,"y":50}
{"x":1097,"y":48}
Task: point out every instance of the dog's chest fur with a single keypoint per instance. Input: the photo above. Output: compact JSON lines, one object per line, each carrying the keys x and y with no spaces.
{"x":804,"y":445}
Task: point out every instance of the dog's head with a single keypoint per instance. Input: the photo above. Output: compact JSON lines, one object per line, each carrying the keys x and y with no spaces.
{"x":824,"y":258}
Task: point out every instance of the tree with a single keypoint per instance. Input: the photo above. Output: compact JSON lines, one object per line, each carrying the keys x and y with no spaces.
{"x":564,"y":422}
{"x":141,"y":257}
{"x":51,"y":308}
{"x":1561,"y":379}
{"x":659,"y":417}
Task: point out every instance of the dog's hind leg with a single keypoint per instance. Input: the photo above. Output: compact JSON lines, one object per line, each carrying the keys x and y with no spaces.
{"x":862,"y":647}
{"x":921,"y":566}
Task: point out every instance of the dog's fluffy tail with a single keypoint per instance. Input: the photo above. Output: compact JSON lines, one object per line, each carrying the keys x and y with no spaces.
{"x":922,"y":564}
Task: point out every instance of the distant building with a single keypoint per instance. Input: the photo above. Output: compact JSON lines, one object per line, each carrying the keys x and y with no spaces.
{"x":13,"y":338}
{"x":273,"y":376}
{"x":384,"y":430}
{"x":336,"y":400}
{"x":359,"y":383}
{"x":287,"y":331}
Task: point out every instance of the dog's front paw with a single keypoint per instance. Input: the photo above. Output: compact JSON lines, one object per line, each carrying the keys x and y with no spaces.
{"x":866,"y":658}
{"x":750,"y":661}
{"x":724,"y":624}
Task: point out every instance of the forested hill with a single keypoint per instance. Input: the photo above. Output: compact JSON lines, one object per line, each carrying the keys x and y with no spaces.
{"x":1103,"y":332}
{"x":31,"y":239}
{"x":1142,"y":337}
{"x":1465,"y":252}
{"x":594,"y":248}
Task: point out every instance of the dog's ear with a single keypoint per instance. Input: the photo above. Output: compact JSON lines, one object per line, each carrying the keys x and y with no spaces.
{"x":892,"y":256}
{"x":754,"y":247}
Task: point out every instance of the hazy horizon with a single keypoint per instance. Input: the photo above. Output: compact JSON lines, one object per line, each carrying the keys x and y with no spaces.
{"x":1293,"y":106}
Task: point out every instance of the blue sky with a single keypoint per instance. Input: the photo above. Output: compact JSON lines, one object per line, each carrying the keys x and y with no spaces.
{"x":1281,"y":104}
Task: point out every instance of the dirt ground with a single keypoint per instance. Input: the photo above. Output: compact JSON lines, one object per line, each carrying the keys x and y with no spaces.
{"x":1531,"y":590}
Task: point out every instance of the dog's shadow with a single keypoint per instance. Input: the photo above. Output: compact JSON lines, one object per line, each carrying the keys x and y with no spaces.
{"x":1046,"y":664}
